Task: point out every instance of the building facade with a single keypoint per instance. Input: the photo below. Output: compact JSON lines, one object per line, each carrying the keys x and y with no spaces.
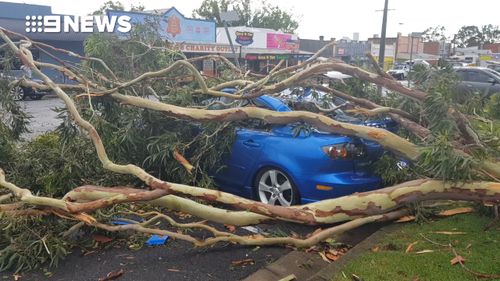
{"x":259,"y":49}
{"x":13,"y":17}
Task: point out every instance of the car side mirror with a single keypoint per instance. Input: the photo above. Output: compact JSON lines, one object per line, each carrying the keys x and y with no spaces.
{"x":492,"y":80}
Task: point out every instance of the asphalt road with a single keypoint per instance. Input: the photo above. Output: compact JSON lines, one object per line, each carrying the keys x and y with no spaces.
{"x":179,"y":260}
{"x":44,"y":118}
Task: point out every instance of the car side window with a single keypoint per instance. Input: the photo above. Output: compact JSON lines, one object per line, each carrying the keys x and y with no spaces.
{"x":476,"y":76}
{"x":462,"y":75}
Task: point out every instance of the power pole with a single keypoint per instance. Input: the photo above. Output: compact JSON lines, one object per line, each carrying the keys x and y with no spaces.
{"x":381,"y":54}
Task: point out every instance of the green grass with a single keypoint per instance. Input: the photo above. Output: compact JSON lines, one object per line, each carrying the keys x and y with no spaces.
{"x":481,"y":249}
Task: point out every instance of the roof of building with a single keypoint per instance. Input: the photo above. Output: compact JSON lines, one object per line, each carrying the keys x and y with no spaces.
{"x":388,"y":40}
{"x":11,"y":10}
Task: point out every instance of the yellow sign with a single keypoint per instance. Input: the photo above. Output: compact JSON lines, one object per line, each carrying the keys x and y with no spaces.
{"x":485,"y":57}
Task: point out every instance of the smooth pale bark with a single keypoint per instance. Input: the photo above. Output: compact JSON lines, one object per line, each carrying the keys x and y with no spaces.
{"x":172,"y":202}
{"x":307,"y":214}
{"x":387,"y":139}
{"x":327,"y":211}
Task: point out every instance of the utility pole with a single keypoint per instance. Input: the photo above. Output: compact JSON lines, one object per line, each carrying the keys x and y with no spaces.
{"x":381,"y":54}
{"x":230,"y":16}
{"x":236,"y":60}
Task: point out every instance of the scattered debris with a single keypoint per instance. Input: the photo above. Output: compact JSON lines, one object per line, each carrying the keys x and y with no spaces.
{"x":101,"y":238}
{"x":356,"y":277}
{"x":183,"y":215}
{"x":425,"y":252}
{"x":254,"y":229}
{"x":173,"y":270}
{"x":112,"y":275}
{"x":449,"y":232}
{"x":332,"y":254}
{"x":323,"y":256}
{"x":243,"y":262}
{"x":155,"y":240}
{"x":289,"y":278}
{"x":457,"y":259}
{"x":121,"y":221}
{"x":410,"y":247}
{"x":230,"y":228}
{"x":456,"y":211}
{"x":406,"y":219}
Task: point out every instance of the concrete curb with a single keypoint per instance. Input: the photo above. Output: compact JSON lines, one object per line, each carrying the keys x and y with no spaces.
{"x":310,"y":266}
{"x":301,"y":264}
{"x":335,"y":268}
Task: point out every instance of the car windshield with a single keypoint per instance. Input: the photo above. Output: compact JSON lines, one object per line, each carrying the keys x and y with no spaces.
{"x":495,"y":73}
{"x":399,"y":66}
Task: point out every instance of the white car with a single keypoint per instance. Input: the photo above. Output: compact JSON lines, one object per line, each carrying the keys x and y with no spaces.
{"x":399,"y":71}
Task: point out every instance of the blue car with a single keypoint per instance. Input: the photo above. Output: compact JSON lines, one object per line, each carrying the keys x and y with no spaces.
{"x":275,"y":165}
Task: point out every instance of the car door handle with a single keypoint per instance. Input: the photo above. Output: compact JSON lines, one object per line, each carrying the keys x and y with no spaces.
{"x":251,"y":143}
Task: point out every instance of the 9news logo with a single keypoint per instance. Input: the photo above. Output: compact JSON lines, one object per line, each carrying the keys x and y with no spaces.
{"x":78,"y":24}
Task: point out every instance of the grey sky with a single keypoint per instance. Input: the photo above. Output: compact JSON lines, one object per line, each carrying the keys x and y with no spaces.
{"x":337,"y":18}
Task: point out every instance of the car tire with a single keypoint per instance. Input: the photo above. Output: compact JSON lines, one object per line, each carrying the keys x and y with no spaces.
{"x":273,"y":186}
{"x":17,"y":93}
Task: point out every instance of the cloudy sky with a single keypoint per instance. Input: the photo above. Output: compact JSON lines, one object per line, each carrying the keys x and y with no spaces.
{"x":336,"y":18}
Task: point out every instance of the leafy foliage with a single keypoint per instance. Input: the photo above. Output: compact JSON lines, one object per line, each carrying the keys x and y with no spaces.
{"x":433,"y":34}
{"x":116,"y":5}
{"x":391,"y":170}
{"x":266,"y":16}
{"x":13,"y":120}
{"x":440,"y":161}
{"x":26,"y":242}
{"x":51,"y":167}
{"x":471,"y":35}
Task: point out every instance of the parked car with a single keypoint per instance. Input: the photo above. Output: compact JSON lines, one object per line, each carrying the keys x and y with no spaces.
{"x":399,"y":71}
{"x":275,"y":165}
{"x":20,"y":92}
{"x":494,"y":66}
{"x":480,"y":80}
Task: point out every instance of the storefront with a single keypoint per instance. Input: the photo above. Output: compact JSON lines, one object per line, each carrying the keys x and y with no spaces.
{"x":193,"y":37}
{"x":261,"y":48}
{"x":208,"y":66}
{"x":171,"y":25}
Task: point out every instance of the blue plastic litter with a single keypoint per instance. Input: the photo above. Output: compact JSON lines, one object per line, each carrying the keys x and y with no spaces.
{"x":155,"y":240}
{"x":118,"y":222}
{"x":121,"y":221}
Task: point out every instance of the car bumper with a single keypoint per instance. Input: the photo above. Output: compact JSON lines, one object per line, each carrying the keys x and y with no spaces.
{"x":327,"y":186}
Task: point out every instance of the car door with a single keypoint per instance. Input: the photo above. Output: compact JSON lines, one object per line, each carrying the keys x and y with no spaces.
{"x":239,"y":164}
{"x":480,"y":82}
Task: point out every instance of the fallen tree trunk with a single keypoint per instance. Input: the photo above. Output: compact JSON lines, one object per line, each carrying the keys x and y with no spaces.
{"x":358,"y":209}
{"x":323,"y":212}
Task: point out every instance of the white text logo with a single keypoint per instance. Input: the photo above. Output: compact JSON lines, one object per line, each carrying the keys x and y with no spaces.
{"x":85,"y":24}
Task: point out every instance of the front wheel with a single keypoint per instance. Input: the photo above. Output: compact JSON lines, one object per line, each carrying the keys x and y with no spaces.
{"x":274,"y":187}
{"x":17,"y":93}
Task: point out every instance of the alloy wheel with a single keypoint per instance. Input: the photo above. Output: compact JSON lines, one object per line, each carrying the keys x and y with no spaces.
{"x":17,"y":93}
{"x":275,"y":188}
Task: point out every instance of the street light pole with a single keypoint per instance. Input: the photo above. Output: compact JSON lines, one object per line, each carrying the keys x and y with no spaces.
{"x":411,"y":62}
{"x":381,"y":54}
{"x":230,"y":16}
{"x":413,"y":35}
{"x":236,"y":60}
